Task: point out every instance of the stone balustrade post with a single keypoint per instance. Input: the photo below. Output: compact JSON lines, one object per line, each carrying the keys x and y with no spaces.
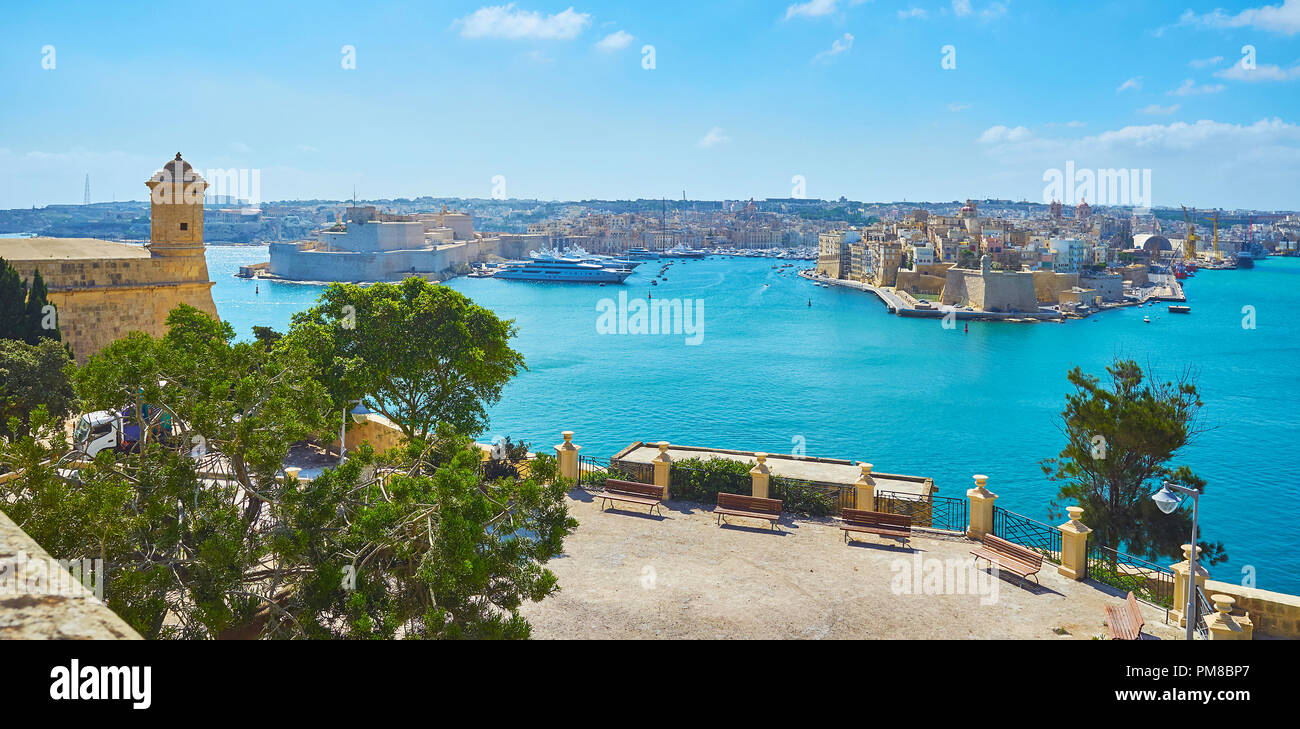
{"x":760,"y":473}
{"x":864,"y":496}
{"x":567,"y":453}
{"x":1223,"y":625}
{"x":663,"y":468}
{"x":1181,"y":570}
{"x":981,"y":508}
{"x":1074,"y":546}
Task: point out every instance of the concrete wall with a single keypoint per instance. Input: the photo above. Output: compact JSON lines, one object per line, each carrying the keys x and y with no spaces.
{"x":31,"y":610}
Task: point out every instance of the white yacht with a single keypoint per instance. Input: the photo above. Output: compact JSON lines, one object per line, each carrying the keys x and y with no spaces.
{"x":570,"y":270}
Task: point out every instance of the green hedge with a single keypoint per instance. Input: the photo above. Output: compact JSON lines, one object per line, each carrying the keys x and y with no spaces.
{"x":694,"y":479}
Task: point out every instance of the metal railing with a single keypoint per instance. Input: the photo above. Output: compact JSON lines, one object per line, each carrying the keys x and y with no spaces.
{"x":592,"y":472}
{"x":932,"y":512}
{"x":1035,"y":535}
{"x":1149,"y":582}
{"x":813,"y":499}
{"x":1203,"y":609}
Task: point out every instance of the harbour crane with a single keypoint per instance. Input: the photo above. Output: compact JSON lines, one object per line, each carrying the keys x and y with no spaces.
{"x":1189,"y":250}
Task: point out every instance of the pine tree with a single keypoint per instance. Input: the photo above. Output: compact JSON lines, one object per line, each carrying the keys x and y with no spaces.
{"x":13,"y":321}
{"x":37,"y":300}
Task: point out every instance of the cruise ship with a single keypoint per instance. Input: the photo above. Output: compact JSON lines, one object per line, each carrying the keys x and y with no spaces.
{"x":568,"y":270}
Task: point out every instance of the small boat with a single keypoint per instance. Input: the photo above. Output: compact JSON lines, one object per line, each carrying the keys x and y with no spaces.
{"x":1175,"y":309}
{"x":1146,"y":320}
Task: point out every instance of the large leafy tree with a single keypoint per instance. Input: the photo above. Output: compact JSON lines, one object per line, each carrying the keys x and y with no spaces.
{"x":419,"y":353}
{"x":1121,"y":436}
{"x":32,"y":376}
{"x":209,"y":538}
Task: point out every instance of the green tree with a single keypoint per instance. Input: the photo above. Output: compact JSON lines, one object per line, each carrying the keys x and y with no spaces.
{"x":40,"y":325}
{"x":1121,"y":436}
{"x":267,"y":336}
{"x":13,"y":309}
{"x":418,"y":353}
{"x":32,"y":376}
{"x":208,"y":538}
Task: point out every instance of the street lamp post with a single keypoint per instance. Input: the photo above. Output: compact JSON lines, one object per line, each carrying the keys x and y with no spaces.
{"x":1168,"y":501}
{"x":358,"y":412}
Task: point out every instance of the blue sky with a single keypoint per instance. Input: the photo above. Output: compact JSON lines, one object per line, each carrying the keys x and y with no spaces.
{"x":743,"y":96}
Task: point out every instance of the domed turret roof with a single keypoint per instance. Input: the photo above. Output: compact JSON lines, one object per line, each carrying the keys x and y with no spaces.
{"x":175,"y":170}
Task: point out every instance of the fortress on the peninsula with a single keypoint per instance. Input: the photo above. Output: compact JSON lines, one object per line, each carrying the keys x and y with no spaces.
{"x":103,"y":289}
{"x":371,"y":245}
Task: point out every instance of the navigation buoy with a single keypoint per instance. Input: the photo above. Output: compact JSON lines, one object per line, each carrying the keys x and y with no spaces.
{"x":967,"y":329}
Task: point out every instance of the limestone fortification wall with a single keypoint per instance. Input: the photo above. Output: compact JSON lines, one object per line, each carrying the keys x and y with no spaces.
{"x":1000,"y":291}
{"x":101,"y":300}
{"x":301,"y":262}
{"x":920,"y":283}
{"x":1048,"y":285}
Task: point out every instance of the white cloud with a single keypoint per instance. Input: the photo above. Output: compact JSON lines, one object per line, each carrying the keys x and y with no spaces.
{"x":961,"y":8}
{"x":1203,"y":160}
{"x":1001,"y":134}
{"x":307,"y":148}
{"x":1266,"y":72}
{"x":1191,"y":88}
{"x":955,"y":106}
{"x":1134,"y":83}
{"x":616,"y":41}
{"x":840,"y":45}
{"x":504,"y":21}
{"x":995,"y":10}
{"x":911,"y":13}
{"x":1156,"y":109}
{"x":1205,"y":62}
{"x":714,"y":138}
{"x":810,"y":9}
{"x":1283,"y":18}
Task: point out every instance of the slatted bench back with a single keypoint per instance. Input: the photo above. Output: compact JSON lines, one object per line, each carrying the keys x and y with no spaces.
{"x":1013,"y":550}
{"x":749,"y":503}
{"x":865,"y":518}
{"x":634,"y":489}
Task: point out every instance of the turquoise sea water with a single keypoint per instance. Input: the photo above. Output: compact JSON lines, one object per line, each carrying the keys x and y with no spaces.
{"x":848,"y":380}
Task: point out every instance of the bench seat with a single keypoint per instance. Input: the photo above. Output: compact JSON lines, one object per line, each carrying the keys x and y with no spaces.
{"x":863,"y":521}
{"x":748,"y":514}
{"x":631,"y":492}
{"x":1009,"y":556}
{"x":749,"y":507}
{"x":1125,"y":622}
{"x":1005,"y":562}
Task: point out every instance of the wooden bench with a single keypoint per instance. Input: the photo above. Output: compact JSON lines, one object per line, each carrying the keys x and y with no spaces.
{"x":632,"y":493}
{"x":1009,"y":556}
{"x":898,"y":526}
{"x":1125,"y":621}
{"x":751,"y":507}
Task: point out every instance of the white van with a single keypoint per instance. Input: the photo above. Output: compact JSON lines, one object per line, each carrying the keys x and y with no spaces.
{"x":104,"y":429}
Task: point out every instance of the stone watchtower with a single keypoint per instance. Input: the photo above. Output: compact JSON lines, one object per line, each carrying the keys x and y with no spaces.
{"x":105,"y":290}
{"x":176,"y":210}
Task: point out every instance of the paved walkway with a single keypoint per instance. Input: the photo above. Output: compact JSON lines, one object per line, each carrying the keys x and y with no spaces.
{"x":625,"y":574}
